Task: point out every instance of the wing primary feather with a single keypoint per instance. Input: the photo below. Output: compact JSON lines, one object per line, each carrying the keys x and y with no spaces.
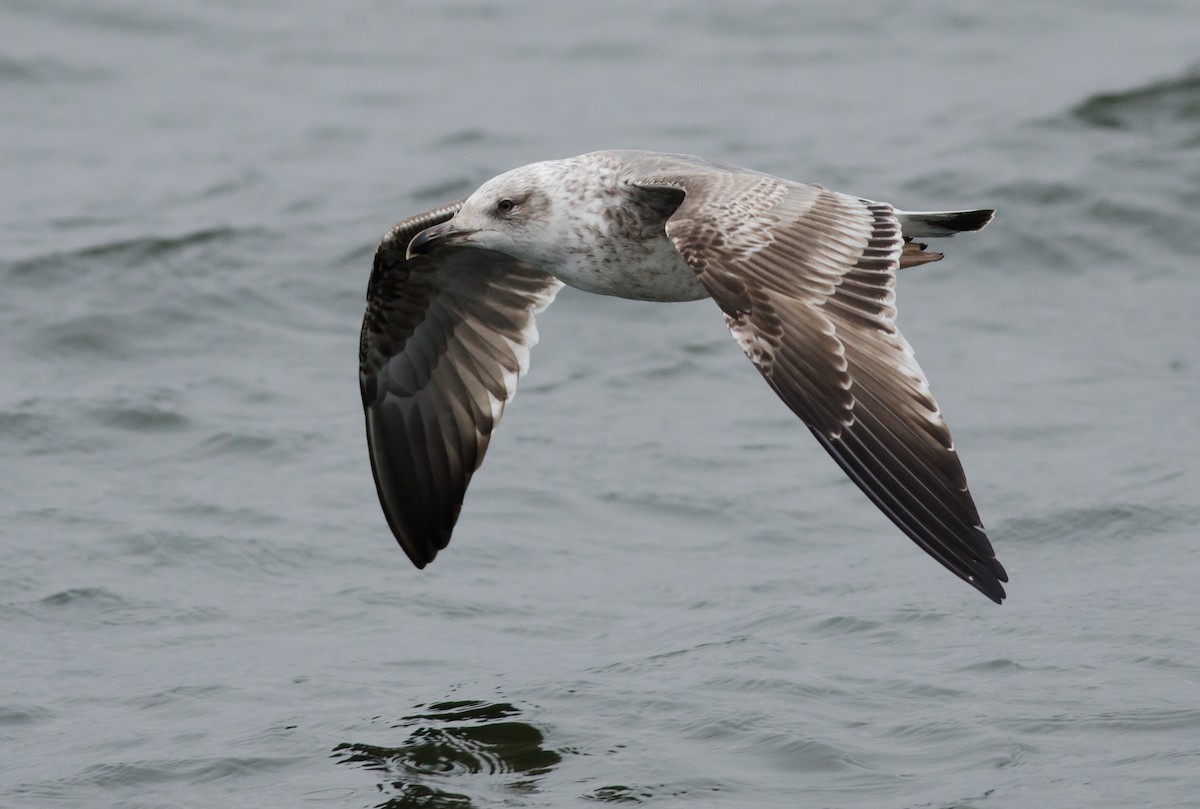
{"x":982,"y":578}
{"x":445,"y":336}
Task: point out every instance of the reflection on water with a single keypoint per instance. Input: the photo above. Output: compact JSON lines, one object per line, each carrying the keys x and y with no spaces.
{"x":448,"y":746}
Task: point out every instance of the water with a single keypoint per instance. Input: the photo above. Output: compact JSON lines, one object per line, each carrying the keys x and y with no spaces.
{"x":661,"y":592}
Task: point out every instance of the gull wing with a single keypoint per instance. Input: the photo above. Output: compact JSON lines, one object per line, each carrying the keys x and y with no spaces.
{"x":444,"y":339}
{"x":805,"y":277}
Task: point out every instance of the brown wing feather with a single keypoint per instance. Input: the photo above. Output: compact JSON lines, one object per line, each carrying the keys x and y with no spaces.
{"x":805,"y":277}
{"x":444,"y":339}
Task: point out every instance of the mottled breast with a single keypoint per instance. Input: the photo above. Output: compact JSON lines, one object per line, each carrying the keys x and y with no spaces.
{"x":623,"y":250}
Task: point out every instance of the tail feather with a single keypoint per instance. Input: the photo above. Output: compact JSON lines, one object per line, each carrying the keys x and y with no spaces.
{"x":932,"y":224}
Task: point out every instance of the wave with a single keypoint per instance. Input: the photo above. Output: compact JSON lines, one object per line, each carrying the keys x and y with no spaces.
{"x":1164,"y":103}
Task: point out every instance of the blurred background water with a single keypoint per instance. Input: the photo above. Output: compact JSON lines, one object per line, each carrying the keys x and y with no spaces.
{"x":661,"y":591}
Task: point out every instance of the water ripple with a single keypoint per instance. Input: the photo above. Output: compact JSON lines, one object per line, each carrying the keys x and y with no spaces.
{"x":1110,"y":522}
{"x":24,"y":714}
{"x":144,"y":773}
{"x":694,"y":789}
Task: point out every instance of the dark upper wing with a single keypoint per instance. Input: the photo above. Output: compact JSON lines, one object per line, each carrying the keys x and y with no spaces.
{"x":444,"y":339}
{"x":805,"y":278}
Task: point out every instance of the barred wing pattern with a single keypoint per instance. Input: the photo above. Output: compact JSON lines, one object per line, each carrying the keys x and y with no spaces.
{"x":805,"y":277}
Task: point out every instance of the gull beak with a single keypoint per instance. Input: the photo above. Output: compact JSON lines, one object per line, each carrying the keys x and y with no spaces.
{"x":435,"y":237}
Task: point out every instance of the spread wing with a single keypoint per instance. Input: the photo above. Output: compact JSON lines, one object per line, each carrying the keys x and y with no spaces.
{"x":444,"y":339}
{"x":805,"y":277}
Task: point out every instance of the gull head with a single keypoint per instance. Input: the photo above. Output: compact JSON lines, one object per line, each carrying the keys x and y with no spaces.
{"x":523,"y":213}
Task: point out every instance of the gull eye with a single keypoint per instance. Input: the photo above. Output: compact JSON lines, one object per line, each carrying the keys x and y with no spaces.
{"x":505,"y":205}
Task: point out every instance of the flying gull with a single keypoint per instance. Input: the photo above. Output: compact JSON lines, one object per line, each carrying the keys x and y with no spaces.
{"x":804,"y":276}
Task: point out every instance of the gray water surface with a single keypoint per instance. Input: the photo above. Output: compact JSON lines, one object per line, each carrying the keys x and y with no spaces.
{"x":661,"y":590}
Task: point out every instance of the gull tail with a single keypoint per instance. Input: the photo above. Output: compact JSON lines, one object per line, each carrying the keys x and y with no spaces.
{"x":932,"y":224}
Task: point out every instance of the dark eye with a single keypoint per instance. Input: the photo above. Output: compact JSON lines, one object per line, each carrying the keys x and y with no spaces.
{"x":505,"y":205}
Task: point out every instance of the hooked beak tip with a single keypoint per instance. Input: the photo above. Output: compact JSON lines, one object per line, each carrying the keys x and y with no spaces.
{"x":422,"y":243}
{"x":432,"y":238}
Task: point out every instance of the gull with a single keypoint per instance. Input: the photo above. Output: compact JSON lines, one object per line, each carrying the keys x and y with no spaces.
{"x":803,"y":275}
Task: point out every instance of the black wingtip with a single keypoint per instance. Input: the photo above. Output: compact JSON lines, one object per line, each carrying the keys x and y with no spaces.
{"x":421,"y":552}
{"x":993,"y":590}
{"x":940,"y":224}
{"x":990,"y":586}
{"x":967,"y":221}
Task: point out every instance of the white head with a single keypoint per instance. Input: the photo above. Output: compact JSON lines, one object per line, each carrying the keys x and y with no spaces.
{"x":529,"y":213}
